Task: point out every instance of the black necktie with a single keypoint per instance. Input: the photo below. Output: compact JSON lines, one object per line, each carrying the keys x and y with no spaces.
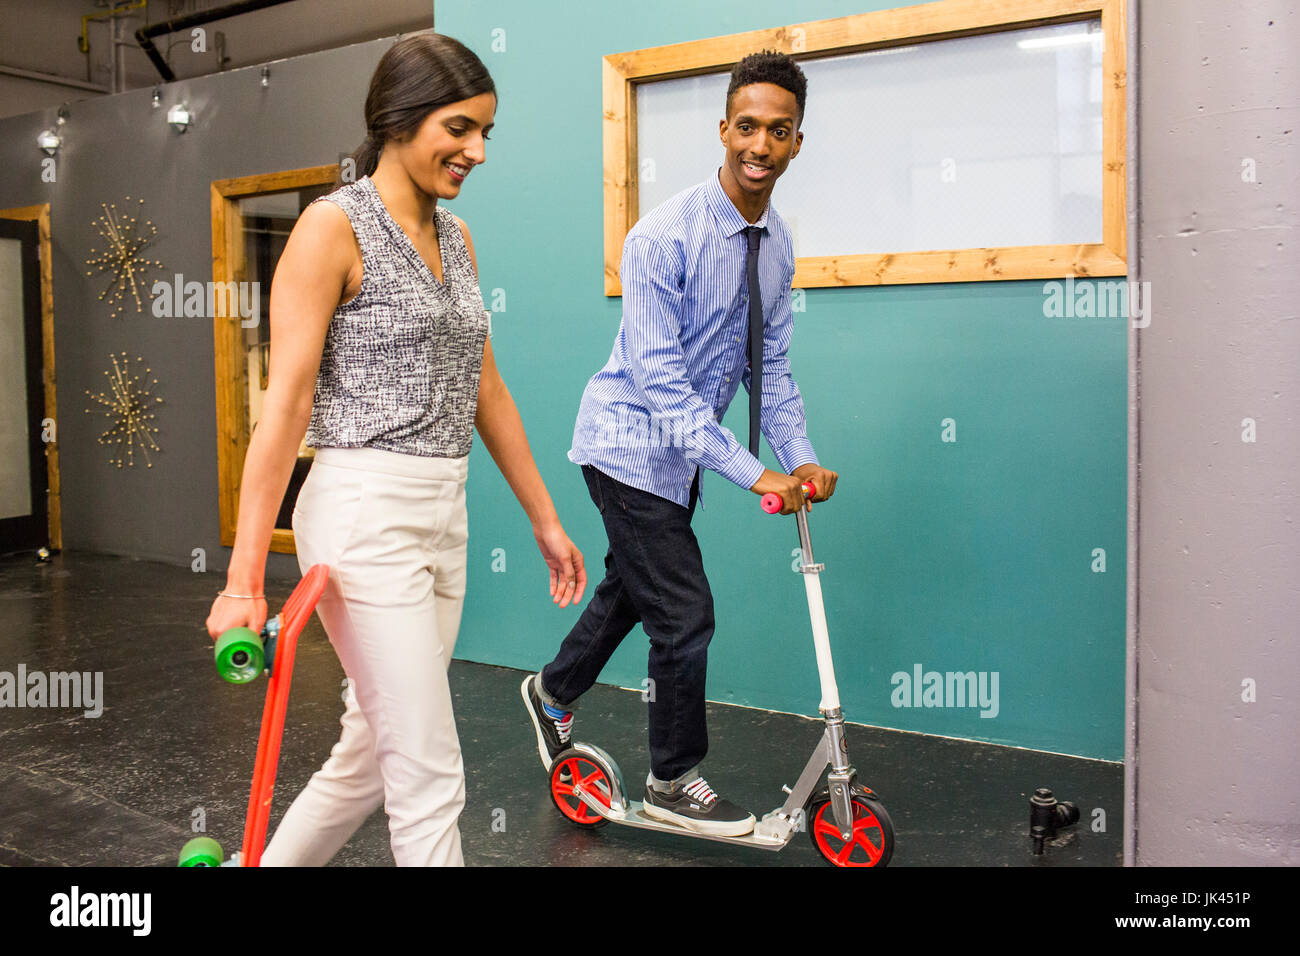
{"x":752,"y":233}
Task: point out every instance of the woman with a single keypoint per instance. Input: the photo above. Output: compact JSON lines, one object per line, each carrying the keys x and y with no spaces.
{"x":381,"y":357}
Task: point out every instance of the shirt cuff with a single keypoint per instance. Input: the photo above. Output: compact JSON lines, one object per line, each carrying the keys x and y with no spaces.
{"x":742,"y":469}
{"x":796,"y":452}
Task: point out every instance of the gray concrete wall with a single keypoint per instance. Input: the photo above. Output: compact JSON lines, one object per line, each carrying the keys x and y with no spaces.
{"x":1214,"y":775}
{"x":119,"y":146}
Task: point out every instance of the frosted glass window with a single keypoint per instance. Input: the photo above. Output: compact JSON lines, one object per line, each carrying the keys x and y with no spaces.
{"x":984,"y":141}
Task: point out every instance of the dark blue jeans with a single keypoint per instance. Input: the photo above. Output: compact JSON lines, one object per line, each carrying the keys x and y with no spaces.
{"x":654,"y":575}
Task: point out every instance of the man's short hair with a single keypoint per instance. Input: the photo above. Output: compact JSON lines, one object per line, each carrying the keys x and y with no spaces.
{"x":770,"y":67}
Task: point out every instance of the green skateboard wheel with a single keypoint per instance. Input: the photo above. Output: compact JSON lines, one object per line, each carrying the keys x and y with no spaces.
{"x":201,"y":851}
{"x":239,"y":654}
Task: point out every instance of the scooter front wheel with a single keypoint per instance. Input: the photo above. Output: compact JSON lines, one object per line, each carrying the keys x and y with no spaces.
{"x":573,"y":767}
{"x":872,"y":843}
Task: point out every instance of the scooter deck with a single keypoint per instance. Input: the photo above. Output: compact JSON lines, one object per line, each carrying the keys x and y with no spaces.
{"x":293,"y":618}
{"x":635,"y":816}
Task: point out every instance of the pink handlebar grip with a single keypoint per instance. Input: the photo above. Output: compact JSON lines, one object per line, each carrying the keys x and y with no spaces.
{"x":771,"y":502}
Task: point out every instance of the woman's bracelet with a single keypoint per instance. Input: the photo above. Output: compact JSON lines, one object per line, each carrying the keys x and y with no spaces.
{"x":251,"y":597}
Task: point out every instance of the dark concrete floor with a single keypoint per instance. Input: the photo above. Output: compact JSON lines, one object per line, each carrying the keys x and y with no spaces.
{"x":173,"y":739}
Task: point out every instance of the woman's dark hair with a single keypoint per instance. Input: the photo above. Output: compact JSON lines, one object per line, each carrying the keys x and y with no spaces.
{"x":416,"y":76}
{"x":770,"y":67}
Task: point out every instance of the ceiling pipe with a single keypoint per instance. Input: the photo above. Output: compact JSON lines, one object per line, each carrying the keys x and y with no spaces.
{"x":7,"y":70}
{"x":144,"y":36}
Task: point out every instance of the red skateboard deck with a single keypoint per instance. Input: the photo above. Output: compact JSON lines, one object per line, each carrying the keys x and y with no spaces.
{"x":293,"y":617}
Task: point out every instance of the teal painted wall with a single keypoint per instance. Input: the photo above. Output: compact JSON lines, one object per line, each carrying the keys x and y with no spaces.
{"x":967,"y":556}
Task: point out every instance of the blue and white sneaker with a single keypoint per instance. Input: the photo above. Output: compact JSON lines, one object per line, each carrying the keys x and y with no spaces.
{"x":554,"y":727}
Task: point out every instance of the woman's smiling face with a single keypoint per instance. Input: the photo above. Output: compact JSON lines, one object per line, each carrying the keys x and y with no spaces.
{"x":450,"y":142}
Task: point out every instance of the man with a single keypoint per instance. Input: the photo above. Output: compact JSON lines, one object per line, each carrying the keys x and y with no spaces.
{"x":650,"y":419}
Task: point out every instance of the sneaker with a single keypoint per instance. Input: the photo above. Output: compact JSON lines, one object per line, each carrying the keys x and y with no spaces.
{"x":696,"y":807}
{"x":552,"y":732}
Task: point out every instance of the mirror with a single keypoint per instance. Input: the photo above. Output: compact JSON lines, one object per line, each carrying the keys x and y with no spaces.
{"x":252,"y":217}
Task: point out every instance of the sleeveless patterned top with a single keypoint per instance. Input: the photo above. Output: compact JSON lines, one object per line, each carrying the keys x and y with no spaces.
{"x":401,"y":363}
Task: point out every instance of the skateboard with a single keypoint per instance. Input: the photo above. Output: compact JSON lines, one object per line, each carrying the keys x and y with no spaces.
{"x":241,"y":657}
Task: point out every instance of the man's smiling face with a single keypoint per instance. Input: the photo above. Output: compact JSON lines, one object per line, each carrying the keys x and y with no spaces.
{"x":760,"y":136}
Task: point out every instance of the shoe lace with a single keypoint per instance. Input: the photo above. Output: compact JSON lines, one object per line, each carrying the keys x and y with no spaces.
{"x":699,"y":790}
{"x":564,"y":727}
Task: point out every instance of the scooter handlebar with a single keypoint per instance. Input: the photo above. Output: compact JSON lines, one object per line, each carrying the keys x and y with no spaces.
{"x":771,"y":502}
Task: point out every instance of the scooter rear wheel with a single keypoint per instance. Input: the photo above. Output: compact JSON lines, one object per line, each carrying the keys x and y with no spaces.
{"x":873,"y":832}
{"x":592,"y":775}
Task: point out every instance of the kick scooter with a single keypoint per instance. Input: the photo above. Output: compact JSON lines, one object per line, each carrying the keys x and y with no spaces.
{"x":241,"y":658}
{"x":846,"y":821}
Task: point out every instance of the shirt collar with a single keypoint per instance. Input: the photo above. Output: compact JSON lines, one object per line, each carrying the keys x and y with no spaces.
{"x":725,"y":211}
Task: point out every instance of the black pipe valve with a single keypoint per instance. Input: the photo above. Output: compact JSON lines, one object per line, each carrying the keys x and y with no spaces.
{"x":1046,"y":815}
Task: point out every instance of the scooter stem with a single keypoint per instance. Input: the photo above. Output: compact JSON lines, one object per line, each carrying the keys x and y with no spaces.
{"x":817,"y":611}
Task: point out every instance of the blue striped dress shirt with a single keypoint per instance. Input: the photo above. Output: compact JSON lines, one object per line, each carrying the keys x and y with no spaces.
{"x":653,"y":414}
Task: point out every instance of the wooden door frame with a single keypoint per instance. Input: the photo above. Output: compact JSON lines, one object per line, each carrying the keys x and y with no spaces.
{"x":40,"y":214}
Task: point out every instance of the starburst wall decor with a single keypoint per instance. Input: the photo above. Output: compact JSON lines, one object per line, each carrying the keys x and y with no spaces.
{"x":126,"y":238}
{"x":126,"y":404}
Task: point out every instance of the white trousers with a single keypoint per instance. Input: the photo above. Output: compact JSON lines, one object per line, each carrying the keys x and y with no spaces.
{"x":393,"y":530}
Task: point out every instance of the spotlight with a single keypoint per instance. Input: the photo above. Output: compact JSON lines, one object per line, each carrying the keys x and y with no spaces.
{"x":49,"y":141}
{"x":179,"y":117}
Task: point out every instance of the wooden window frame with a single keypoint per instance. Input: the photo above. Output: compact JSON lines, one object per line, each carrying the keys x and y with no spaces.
{"x":231,"y":366}
{"x":622,"y":72}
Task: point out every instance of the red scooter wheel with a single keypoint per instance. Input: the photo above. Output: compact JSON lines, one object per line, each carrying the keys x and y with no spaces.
{"x":573,"y":766}
{"x":872,"y":843}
